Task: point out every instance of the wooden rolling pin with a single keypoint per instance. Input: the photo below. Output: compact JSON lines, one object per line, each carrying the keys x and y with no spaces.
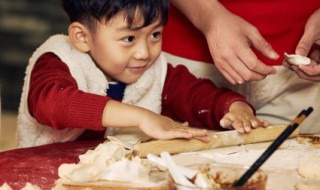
{"x":217,"y":140}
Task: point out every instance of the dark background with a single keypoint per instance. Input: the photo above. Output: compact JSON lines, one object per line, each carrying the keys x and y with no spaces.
{"x":24,"y":25}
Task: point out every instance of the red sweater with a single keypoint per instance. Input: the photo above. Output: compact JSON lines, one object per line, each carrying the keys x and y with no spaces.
{"x":54,"y":98}
{"x":281,"y":23}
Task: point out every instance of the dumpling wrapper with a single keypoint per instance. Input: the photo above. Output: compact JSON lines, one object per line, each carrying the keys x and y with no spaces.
{"x":79,"y":173}
{"x":297,"y":59}
{"x":127,"y":171}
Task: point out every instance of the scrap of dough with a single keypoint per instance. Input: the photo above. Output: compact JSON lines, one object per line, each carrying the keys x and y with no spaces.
{"x":309,"y":165}
{"x":28,"y":186}
{"x":5,"y":186}
{"x":79,"y":173}
{"x":104,"y":154}
{"x":106,"y":162}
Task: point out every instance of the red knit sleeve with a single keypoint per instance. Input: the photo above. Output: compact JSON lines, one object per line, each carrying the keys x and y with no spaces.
{"x":55,"y":100}
{"x":198,"y":101}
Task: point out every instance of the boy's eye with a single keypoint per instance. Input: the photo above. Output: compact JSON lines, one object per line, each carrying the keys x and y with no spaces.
{"x":128,"y":39}
{"x":156,"y":35}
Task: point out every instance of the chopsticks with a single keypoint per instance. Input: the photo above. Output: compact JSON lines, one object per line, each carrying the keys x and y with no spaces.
{"x":274,"y":146}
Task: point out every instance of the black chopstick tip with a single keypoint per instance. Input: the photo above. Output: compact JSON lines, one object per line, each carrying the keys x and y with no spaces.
{"x":309,"y":111}
{"x":269,"y":151}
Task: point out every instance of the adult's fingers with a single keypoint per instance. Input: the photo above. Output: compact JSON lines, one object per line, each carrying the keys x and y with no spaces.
{"x":229,"y":72}
{"x":237,"y":72}
{"x":310,"y":35}
{"x":302,"y":72}
{"x":245,"y":72}
{"x":252,"y":62}
{"x":258,"y":42}
{"x":311,"y":72}
{"x":286,"y":64}
{"x":305,"y":43}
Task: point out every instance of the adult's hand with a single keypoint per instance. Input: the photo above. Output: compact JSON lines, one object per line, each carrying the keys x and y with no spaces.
{"x":309,"y":45}
{"x":229,"y":39}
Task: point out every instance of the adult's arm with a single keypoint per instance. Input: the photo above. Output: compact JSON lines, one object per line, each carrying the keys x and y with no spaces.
{"x":229,"y":38}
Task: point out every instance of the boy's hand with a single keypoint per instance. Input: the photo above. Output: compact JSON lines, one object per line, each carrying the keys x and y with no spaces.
{"x":241,"y":118}
{"x":152,"y":124}
{"x":161,"y":127}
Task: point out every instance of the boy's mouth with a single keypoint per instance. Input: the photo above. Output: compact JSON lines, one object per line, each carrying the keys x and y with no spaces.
{"x":138,"y":69}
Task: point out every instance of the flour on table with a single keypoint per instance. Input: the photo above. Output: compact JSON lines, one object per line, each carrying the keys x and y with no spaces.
{"x":309,"y":165}
{"x":286,"y":157}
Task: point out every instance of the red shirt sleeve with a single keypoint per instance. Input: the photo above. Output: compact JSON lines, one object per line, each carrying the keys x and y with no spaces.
{"x":55,"y":100}
{"x":198,"y":101}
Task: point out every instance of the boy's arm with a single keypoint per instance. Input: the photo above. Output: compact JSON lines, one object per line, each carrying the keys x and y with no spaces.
{"x":54,"y":100}
{"x":117,"y":114}
{"x":198,"y":101}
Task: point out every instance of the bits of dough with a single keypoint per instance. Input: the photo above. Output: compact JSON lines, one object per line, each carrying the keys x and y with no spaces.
{"x":106,"y":162}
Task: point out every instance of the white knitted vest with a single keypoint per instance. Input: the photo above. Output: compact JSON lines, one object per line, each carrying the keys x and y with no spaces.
{"x":146,"y":92}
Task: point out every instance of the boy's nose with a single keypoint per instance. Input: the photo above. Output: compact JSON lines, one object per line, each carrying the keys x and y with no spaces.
{"x":142,"y":51}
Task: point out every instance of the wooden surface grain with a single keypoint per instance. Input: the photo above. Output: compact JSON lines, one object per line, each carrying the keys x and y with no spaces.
{"x":217,"y":140}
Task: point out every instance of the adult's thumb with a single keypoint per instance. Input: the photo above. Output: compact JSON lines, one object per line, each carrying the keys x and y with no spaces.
{"x":305,"y":44}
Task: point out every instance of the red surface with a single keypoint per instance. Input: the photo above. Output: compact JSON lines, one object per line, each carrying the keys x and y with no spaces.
{"x":39,"y":165}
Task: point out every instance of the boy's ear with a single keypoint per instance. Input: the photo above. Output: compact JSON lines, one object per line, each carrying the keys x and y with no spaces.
{"x":79,"y":35}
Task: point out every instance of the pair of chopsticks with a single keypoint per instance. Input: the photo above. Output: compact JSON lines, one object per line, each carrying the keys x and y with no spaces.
{"x":274,"y":146}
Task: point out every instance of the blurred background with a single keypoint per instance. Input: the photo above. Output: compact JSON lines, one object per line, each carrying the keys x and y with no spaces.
{"x":24,"y":25}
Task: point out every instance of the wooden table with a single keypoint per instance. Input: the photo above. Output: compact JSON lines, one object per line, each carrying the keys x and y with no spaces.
{"x":39,"y":165}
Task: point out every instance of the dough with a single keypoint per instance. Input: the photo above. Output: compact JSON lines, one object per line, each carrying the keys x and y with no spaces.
{"x":309,"y":165}
{"x":297,"y":59}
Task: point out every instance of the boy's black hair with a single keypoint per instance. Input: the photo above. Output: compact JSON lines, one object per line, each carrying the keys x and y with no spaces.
{"x":89,"y":11}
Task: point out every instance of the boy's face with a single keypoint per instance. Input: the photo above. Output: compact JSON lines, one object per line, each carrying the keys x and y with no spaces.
{"x":124,"y":54}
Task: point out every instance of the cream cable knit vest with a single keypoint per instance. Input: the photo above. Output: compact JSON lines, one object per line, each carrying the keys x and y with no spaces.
{"x":146,"y":92}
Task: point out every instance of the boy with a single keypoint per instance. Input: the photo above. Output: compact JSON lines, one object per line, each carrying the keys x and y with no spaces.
{"x":109,"y":73}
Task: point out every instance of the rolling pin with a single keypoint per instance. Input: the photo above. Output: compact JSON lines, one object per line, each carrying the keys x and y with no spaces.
{"x":217,"y":140}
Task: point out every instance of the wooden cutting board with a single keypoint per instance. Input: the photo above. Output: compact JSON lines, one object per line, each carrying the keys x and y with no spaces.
{"x":217,"y":140}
